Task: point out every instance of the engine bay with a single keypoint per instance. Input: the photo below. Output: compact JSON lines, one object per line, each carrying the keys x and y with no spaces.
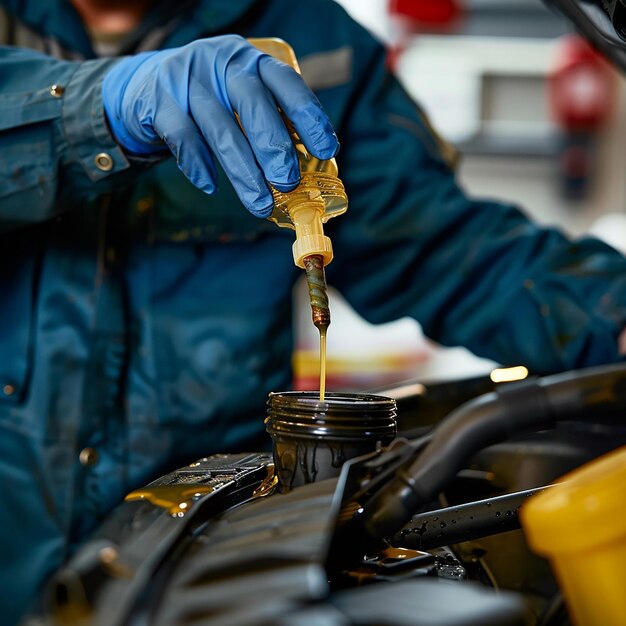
{"x":220,"y":541}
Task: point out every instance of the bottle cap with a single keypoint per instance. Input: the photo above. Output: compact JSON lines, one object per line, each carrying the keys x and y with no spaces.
{"x":306,"y":245}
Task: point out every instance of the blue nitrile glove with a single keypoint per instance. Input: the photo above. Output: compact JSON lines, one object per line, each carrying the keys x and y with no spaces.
{"x":186,"y":98}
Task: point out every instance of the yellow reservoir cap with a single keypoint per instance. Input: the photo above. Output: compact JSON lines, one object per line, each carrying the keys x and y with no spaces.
{"x":580,"y":525}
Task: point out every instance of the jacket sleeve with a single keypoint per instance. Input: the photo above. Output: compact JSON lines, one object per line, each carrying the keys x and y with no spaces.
{"x":473,"y":272}
{"x":54,"y":140}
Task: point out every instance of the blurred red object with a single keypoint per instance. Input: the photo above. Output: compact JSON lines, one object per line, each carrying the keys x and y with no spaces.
{"x":581,"y":93}
{"x":426,"y":12}
{"x":416,"y":16}
{"x":581,"y":87}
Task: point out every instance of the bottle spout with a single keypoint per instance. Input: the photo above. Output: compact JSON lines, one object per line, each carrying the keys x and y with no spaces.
{"x":310,"y":239}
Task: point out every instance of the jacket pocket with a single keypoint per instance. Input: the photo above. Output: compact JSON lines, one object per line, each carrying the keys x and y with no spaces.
{"x":18,"y":281}
{"x":22,"y":109}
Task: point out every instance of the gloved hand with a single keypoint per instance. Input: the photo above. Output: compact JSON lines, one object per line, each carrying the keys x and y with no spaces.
{"x":186,"y":98}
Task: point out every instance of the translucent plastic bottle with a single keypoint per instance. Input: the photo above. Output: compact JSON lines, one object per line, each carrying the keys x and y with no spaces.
{"x":320,"y":195}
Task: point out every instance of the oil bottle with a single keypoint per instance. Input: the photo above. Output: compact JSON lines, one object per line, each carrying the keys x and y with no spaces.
{"x":319,"y":197}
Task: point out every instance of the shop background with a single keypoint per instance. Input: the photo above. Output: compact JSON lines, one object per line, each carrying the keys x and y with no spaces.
{"x":483,"y":74}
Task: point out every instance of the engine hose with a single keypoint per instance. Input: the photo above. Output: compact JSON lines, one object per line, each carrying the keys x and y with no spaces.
{"x":514,"y":408}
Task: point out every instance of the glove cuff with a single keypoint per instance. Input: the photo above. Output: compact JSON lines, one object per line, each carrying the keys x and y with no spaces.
{"x":113,"y":90}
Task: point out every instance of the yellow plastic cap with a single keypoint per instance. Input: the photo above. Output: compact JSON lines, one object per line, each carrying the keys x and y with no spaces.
{"x":587,"y":510}
{"x":306,"y":245}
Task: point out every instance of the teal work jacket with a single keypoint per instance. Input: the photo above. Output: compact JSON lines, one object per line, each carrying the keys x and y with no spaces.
{"x":142,"y":323}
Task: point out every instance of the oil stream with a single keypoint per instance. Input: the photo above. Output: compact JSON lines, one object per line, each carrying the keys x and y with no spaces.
{"x":320,"y":311}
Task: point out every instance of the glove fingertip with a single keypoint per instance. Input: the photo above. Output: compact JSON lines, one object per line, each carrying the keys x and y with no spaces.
{"x":207,"y":185}
{"x":331,"y":150}
{"x":261,"y":212}
{"x":320,"y":137}
{"x":284,"y":187}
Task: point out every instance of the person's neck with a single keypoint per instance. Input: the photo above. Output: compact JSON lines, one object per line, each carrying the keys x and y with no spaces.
{"x":111,"y":16}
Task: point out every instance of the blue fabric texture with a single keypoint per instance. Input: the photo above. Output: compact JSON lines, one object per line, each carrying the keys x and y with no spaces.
{"x":148,"y":320}
{"x":170,"y":97}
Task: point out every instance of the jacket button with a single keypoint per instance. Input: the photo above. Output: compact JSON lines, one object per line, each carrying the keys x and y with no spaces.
{"x":88,"y":457}
{"x":57,"y":91}
{"x":8,"y":390}
{"x":104,"y":161}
